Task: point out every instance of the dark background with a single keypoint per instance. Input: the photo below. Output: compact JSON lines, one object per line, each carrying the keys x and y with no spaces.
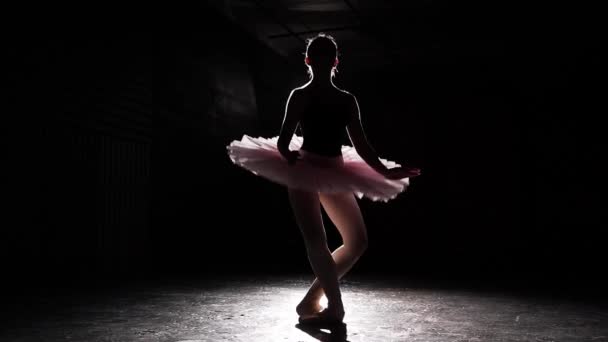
{"x":117,"y":118}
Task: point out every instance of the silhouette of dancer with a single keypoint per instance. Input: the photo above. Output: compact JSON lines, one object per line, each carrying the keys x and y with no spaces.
{"x":317,"y":169}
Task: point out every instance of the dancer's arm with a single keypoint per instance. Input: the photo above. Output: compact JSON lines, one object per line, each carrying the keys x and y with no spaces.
{"x":359,"y":140}
{"x":293,"y":111}
{"x":367,"y":153}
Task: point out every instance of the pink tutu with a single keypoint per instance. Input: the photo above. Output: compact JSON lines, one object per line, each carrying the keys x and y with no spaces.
{"x":346,"y":173}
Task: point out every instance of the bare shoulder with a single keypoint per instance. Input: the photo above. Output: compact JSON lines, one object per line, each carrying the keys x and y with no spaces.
{"x":298,"y":93}
{"x":350,"y":101}
{"x":295,"y":95}
{"x":344,"y":92}
{"x":296,"y":103}
{"x":348,"y":97}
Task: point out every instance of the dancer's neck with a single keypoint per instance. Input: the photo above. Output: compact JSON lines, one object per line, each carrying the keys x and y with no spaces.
{"x":321,"y":82}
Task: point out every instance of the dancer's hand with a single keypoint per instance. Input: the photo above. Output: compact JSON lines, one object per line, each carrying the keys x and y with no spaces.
{"x":401,"y":172}
{"x":292,"y":156}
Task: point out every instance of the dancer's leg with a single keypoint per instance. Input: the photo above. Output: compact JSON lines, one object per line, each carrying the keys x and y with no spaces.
{"x":344,"y":212}
{"x":307,"y":212}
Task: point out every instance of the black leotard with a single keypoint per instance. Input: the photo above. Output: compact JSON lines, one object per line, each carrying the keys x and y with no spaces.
{"x":323,"y":124}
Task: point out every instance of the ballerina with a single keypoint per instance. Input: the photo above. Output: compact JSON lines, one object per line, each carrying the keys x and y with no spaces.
{"x":319,"y":171}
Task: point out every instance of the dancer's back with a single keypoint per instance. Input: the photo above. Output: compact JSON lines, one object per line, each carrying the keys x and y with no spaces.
{"x":326,"y":112}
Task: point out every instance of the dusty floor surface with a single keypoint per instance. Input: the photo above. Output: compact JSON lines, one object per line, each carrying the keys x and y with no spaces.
{"x":252,"y":309}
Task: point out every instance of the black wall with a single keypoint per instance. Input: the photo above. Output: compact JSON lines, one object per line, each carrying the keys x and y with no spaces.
{"x":115,"y":160}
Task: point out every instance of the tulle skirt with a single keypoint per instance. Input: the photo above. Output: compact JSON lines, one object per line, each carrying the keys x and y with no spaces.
{"x":314,"y":172}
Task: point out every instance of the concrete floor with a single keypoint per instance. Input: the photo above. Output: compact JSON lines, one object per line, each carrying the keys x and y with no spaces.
{"x":264,"y":310}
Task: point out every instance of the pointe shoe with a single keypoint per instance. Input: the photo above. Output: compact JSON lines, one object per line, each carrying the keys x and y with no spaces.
{"x":321,"y":318}
{"x":301,"y":310}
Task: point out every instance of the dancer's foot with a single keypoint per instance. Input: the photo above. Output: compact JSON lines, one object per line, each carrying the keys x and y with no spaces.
{"x":325,"y":317}
{"x":308,"y":307}
{"x":333,"y":313}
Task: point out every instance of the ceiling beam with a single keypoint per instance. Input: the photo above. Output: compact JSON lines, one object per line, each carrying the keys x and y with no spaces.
{"x":329,"y":29}
{"x":272,"y":16}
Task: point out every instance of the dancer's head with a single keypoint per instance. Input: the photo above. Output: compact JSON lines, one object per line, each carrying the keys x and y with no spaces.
{"x":321,"y":54}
